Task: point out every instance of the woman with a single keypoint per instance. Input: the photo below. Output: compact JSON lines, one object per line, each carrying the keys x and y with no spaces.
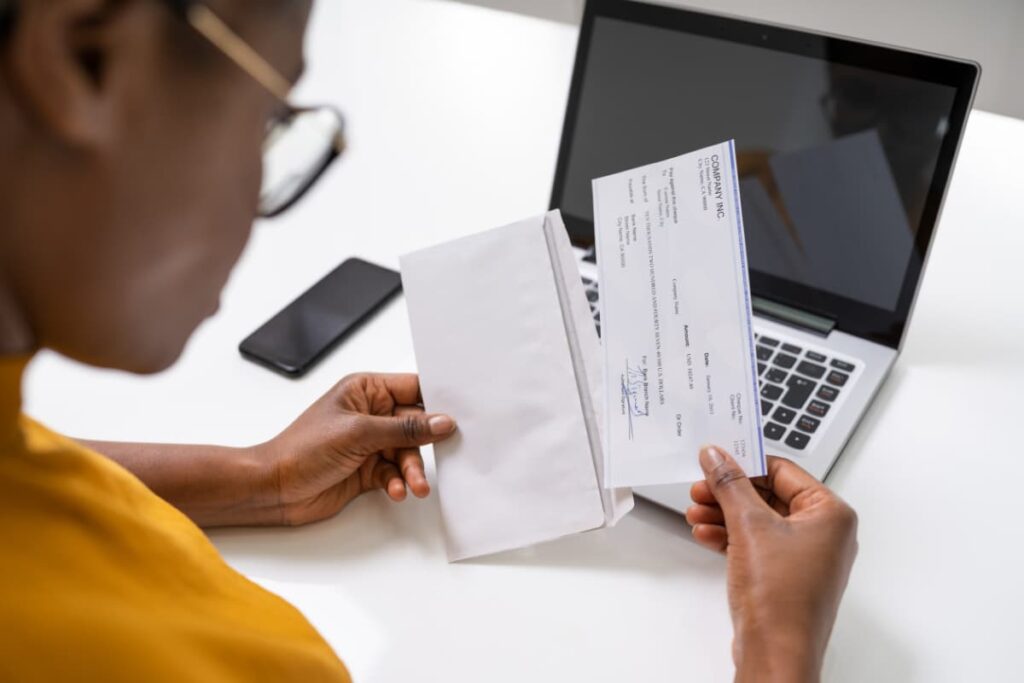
{"x":132,"y":133}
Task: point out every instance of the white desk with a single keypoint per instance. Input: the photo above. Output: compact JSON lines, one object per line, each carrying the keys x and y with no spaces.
{"x":455,"y":114}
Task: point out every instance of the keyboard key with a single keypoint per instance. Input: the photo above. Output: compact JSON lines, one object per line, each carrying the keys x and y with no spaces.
{"x":818,"y":409}
{"x":797,"y":441}
{"x":815,"y":356}
{"x":766,"y":407}
{"x":785,"y":361}
{"x":587,"y":281}
{"x":808,"y":424}
{"x":768,"y":341}
{"x":837,"y":378}
{"x":776,"y":375}
{"x":599,"y":329}
{"x":760,"y":369}
{"x":811,"y":369}
{"x":773,"y":431}
{"x":784,"y":415}
{"x":800,"y":389}
{"x":827,"y":393}
{"x":592,"y":295}
{"x":791,"y":348}
{"x":597,"y":316}
{"x":842,"y":365}
{"x":771,"y":392}
{"x":764,"y":353}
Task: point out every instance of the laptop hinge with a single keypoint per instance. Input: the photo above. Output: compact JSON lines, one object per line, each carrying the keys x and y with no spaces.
{"x":793,"y":316}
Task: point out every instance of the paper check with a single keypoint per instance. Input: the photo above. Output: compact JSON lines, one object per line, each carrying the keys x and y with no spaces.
{"x":680,"y":370}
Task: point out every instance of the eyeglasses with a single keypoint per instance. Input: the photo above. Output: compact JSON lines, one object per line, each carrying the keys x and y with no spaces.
{"x":301,"y":143}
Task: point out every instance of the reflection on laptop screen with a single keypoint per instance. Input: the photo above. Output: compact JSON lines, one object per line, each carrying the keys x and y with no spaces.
{"x":836,"y":161}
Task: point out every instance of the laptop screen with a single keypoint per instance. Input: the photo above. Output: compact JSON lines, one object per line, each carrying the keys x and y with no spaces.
{"x":839,"y":147}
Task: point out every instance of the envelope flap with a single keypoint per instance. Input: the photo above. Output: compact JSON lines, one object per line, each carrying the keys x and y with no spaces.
{"x":589,"y":366}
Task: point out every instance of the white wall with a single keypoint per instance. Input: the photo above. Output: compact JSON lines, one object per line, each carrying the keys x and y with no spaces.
{"x":988,"y":31}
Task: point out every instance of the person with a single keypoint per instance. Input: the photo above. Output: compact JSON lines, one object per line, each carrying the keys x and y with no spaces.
{"x":131,"y":173}
{"x":789,"y":543}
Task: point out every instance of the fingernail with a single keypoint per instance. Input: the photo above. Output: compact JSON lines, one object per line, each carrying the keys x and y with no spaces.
{"x":712,"y":457}
{"x":441,"y":424}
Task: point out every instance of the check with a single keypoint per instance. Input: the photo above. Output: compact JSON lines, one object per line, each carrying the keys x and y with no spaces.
{"x":680,"y":370}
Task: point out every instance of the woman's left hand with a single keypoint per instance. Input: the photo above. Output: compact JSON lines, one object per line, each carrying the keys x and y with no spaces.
{"x":364,"y":434}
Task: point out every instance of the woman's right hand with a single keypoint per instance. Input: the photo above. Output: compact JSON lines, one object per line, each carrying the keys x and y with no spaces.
{"x":790,"y":543}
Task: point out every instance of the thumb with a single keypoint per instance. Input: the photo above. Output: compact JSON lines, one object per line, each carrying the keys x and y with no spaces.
{"x":403,"y":431}
{"x":728,"y":483}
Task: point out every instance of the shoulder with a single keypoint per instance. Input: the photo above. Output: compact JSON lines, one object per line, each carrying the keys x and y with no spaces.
{"x":102,"y":576}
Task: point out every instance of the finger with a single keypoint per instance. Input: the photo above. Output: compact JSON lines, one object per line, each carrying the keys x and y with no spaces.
{"x":395,"y":489}
{"x":788,"y":480}
{"x":404,"y":388}
{"x":376,"y":433}
{"x":729,"y":484}
{"x":387,"y":477}
{"x":712,"y":537}
{"x":401,"y":411}
{"x":701,"y":493}
{"x":410,"y":464}
{"x":763,"y":486}
{"x":705,"y":514}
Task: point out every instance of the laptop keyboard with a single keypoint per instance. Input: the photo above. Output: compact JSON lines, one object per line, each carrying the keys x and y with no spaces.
{"x":799,"y":388}
{"x":799,"y":385}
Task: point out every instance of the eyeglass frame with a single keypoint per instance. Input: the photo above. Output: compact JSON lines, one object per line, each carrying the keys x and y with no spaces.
{"x":220,"y":35}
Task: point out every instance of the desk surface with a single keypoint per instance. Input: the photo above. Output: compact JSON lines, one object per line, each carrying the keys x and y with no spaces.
{"x":455,"y":114}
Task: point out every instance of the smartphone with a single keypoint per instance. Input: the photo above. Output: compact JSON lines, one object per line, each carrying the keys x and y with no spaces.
{"x":298,"y":337}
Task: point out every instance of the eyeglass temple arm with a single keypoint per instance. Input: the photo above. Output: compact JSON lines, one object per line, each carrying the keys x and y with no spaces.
{"x":224,"y":38}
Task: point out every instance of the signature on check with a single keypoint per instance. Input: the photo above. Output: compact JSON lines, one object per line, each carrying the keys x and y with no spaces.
{"x":635,"y":397}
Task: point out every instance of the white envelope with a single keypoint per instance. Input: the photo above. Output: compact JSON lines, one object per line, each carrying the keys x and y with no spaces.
{"x":506,"y":345}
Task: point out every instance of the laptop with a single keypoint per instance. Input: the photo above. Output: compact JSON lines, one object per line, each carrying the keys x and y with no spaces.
{"x":845,"y":151}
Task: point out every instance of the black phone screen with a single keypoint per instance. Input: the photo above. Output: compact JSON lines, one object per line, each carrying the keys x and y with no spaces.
{"x":300,"y":335}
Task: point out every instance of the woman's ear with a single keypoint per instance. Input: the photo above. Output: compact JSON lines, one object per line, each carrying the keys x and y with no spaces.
{"x":56,"y":62}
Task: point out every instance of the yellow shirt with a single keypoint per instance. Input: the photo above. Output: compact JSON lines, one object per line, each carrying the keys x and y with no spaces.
{"x":101,"y":580}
